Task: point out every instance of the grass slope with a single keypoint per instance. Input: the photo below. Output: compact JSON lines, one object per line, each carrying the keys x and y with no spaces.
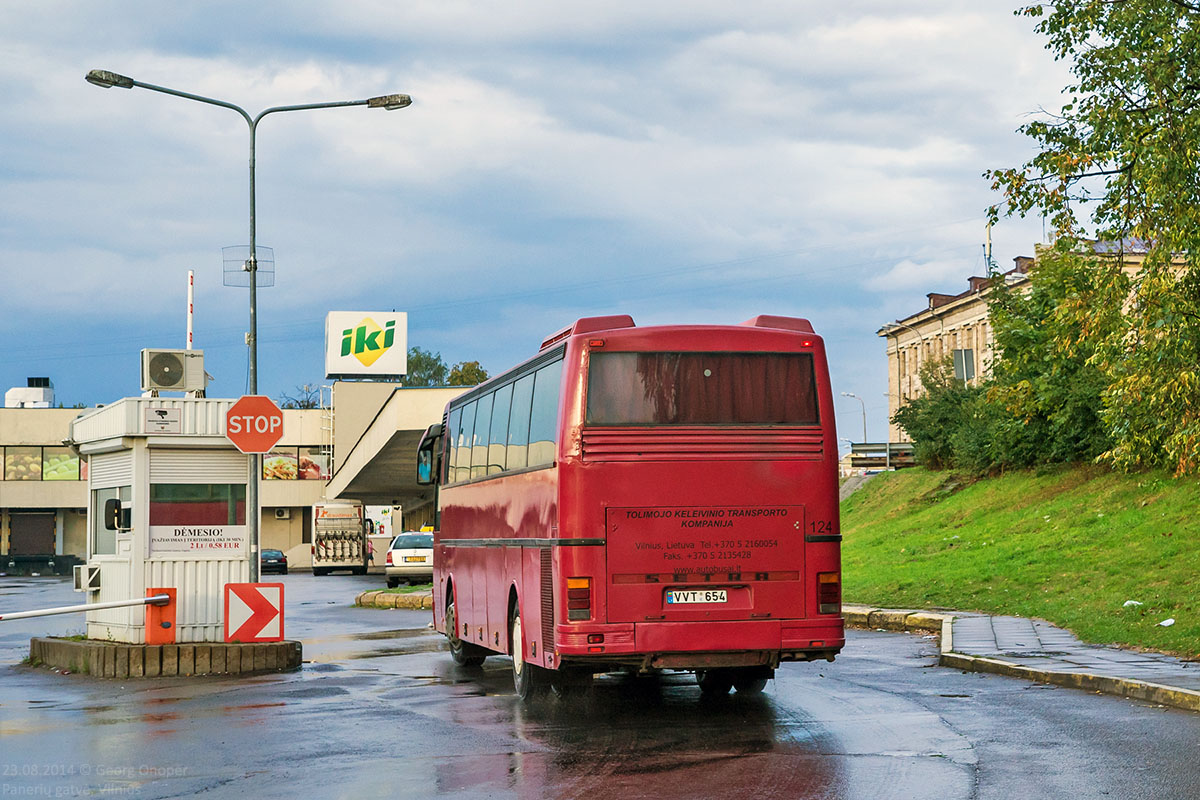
{"x":1068,"y":546}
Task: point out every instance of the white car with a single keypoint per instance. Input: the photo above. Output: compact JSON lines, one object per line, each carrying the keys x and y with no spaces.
{"x":410,"y":558}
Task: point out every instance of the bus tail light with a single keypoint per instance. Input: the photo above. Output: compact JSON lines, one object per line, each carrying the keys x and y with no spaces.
{"x":829,"y":592}
{"x":579,"y":598}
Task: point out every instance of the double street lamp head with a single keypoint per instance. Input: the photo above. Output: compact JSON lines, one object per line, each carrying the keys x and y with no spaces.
{"x":106,"y":80}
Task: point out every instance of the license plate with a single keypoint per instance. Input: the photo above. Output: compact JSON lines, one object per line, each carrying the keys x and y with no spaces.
{"x":415,"y":558}
{"x":679,"y":596}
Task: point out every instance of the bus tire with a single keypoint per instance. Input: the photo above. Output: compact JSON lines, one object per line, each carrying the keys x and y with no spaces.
{"x":714,"y":682}
{"x":752,"y":680}
{"x":464,"y":654}
{"x":569,"y":683}
{"x":529,"y":680}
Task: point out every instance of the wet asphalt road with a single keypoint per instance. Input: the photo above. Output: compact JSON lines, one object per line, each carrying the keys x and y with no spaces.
{"x":380,"y":710}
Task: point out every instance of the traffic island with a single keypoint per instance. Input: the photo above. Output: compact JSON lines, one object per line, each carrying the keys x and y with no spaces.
{"x":420,"y":599}
{"x":101,"y":659}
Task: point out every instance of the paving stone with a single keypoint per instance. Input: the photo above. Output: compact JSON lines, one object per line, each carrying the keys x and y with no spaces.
{"x":137,"y":661}
{"x":121,"y":657}
{"x":217,"y":660}
{"x":153,"y":661}
{"x":187,"y":659}
{"x":204,"y":659}
{"x":170,"y":660}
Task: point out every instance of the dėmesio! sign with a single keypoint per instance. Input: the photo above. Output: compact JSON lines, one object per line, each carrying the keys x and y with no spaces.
{"x":366,"y":344}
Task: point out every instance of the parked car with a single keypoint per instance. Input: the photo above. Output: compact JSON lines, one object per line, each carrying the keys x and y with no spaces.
{"x":272,"y":561}
{"x":410,"y":558}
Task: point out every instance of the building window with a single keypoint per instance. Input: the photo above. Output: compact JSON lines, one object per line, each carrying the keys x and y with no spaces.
{"x":104,"y":541}
{"x":197,"y":504}
{"x":964,"y":365}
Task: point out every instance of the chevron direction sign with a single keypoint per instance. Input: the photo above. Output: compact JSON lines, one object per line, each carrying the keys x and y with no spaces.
{"x":253,"y":612}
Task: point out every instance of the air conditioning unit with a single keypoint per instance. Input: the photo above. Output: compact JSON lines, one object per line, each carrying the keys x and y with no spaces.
{"x":173,"y":370}
{"x":87,"y":577}
{"x":283,"y":513}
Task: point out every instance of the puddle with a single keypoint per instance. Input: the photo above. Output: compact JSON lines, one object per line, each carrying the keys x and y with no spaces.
{"x":369,"y":636}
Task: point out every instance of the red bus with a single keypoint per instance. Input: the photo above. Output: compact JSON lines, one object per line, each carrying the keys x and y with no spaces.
{"x":660,"y":498}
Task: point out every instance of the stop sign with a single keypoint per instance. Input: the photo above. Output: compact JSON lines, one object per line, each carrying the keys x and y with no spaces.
{"x":254,"y":424}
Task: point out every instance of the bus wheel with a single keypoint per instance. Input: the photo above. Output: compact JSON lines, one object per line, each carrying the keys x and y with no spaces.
{"x":752,"y":680}
{"x":714,"y":682}
{"x":568,"y":683}
{"x":529,"y":680}
{"x":464,"y":654}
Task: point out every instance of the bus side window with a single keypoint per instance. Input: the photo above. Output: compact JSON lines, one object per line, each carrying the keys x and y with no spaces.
{"x":518,"y":424}
{"x":499,"y":435}
{"x":452,"y":426}
{"x":479,"y":442}
{"x":543,"y":423}
{"x":462,"y":464}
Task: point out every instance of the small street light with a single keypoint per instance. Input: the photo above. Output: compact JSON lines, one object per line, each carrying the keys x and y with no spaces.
{"x":389,"y":102}
{"x":864,"y":412}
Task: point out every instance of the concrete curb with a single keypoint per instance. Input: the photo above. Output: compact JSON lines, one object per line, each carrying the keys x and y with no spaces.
{"x":101,"y":659}
{"x":382,"y":599}
{"x":901,"y":620}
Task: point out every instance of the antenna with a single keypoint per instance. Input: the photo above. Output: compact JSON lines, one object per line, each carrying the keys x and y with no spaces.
{"x":191,"y":305}
{"x":987,"y":248}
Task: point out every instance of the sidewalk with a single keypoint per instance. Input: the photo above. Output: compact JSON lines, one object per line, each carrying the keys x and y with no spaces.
{"x":1038,"y":651}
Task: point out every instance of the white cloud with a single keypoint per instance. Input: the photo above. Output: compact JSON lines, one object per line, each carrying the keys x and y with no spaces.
{"x":696,"y":160}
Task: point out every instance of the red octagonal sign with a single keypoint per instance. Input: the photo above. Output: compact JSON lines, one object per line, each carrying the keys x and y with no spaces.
{"x":254,"y":424}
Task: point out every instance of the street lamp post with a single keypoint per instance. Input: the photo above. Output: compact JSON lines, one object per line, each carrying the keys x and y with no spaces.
{"x":107,"y":80}
{"x":864,"y":412}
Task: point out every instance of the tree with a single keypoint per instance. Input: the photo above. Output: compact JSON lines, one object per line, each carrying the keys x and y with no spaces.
{"x":306,"y":396}
{"x":467,"y":373}
{"x":1046,"y":375}
{"x":425,"y":368}
{"x":1127,"y":143}
{"x":940,"y":415}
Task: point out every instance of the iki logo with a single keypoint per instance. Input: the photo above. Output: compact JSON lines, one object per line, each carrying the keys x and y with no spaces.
{"x":365,"y":340}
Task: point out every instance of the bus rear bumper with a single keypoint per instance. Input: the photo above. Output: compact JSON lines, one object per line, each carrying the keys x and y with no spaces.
{"x":698,"y":645}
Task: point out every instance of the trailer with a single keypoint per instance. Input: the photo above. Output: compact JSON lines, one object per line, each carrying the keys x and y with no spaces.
{"x":339,"y":538}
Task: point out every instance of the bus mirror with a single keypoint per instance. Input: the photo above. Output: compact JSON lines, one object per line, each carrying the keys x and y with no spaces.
{"x":427,"y":455}
{"x":115,"y":517}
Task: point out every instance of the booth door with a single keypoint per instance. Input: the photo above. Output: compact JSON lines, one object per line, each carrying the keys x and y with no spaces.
{"x":31,"y":534}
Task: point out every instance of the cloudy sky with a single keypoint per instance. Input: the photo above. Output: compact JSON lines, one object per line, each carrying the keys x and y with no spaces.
{"x":683,"y":162}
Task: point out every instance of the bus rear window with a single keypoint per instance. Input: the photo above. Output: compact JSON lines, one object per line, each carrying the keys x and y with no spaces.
{"x":701,"y":389}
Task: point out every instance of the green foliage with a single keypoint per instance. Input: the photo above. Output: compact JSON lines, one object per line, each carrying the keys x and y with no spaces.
{"x":1070,"y":545}
{"x":425,"y":368}
{"x":428,"y":369}
{"x":1127,"y":143}
{"x":467,"y":373}
{"x":1046,"y":376}
{"x":945,"y":410}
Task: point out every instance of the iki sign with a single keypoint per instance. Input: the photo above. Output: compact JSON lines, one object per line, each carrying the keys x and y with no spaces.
{"x":366,"y":344}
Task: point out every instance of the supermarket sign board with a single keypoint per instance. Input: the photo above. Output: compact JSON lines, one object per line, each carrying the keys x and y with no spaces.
{"x":366,"y":344}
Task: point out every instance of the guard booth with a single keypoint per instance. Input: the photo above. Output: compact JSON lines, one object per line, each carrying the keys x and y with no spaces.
{"x":181,"y":487}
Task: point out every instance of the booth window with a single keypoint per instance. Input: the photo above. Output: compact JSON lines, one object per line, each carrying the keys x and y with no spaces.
{"x":197,"y":504}
{"x":104,"y":541}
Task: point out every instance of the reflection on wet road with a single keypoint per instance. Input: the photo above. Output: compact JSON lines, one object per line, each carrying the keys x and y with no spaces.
{"x":379,"y":709}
